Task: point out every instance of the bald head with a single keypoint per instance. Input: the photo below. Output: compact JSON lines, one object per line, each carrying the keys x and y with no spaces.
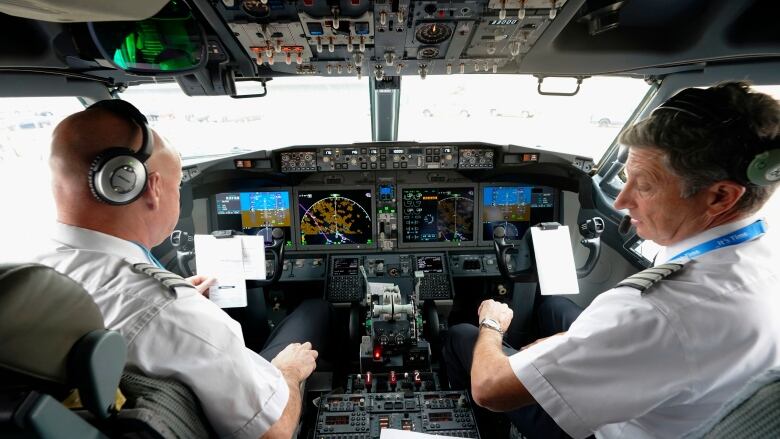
{"x":76,"y":141}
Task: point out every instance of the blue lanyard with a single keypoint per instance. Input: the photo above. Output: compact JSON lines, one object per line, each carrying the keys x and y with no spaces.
{"x":746,"y":233}
{"x":149,"y":255}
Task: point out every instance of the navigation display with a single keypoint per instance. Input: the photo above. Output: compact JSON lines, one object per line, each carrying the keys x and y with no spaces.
{"x":516,"y":208}
{"x":255,"y":213}
{"x":432,"y":215}
{"x":335,"y":217}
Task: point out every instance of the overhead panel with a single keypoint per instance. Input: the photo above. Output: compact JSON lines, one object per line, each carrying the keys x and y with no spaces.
{"x":387,"y":38}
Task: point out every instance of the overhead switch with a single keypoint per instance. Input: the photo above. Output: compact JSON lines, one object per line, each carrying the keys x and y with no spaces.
{"x":389,"y":58}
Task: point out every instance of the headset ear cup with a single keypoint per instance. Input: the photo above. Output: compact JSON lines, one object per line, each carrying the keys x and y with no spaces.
{"x":94,"y":167}
{"x":764,"y":169}
{"x":111,"y":166}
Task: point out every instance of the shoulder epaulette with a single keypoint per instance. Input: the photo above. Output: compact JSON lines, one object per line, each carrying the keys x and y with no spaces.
{"x":649,"y":277}
{"x":165,"y":277}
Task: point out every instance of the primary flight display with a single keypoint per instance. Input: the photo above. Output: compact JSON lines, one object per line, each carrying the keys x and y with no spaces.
{"x":516,"y":208}
{"x":254,"y":213}
{"x":335,"y":217}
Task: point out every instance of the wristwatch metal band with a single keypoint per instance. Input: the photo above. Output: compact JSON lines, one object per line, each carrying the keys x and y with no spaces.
{"x":491,"y":324}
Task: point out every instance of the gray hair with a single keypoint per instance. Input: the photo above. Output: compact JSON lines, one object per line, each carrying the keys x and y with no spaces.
{"x":701,"y":154}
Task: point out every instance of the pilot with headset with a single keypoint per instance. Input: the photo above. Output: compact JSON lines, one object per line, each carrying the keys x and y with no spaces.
{"x":114,"y":203}
{"x":663,"y":350}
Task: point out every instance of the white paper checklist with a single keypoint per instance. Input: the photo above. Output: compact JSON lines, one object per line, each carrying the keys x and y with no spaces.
{"x":554,"y":261}
{"x":231,"y":261}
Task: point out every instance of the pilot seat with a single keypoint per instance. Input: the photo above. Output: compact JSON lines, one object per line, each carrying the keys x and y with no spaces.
{"x":52,"y":342}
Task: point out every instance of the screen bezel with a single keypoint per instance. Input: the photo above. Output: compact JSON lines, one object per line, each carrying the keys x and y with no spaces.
{"x":402,"y":226}
{"x":213,"y":209}
{"x":297,"y":230}
{"x":482,"y":186}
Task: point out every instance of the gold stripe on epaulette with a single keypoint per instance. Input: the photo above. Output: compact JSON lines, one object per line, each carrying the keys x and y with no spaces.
{"x":645,"y":279}
{"x":169,"y":280}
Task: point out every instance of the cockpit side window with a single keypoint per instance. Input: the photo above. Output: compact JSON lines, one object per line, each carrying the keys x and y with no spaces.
{"x":28,"y":211}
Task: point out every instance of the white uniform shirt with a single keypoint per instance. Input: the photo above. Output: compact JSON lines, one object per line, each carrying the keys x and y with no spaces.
{"x":659,"y":364}
{"x":181,"y":335}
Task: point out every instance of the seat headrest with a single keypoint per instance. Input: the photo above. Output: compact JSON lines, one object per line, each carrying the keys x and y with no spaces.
{"x":42,"y":314}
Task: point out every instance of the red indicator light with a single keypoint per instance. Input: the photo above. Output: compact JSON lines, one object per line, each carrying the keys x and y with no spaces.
{"x":377,"y":352}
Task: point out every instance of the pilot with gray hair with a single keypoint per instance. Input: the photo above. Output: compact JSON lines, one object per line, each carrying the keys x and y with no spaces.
{"x":116,"y":189}
{"x":660,"y":353}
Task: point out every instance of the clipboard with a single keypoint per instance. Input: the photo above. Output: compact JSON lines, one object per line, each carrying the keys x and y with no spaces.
{"x":554,"y":259}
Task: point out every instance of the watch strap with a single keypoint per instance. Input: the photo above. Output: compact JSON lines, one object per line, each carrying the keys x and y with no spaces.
{"x":491,"y":324}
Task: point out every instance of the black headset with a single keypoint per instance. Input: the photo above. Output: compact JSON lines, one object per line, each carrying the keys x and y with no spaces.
{"x":759,"y":163}
{"x":118,"y":175}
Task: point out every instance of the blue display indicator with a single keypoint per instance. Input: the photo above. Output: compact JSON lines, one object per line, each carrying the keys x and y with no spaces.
{"x":506,"y":196}
{"x":253,"y":201}
{"x":515,"y":208}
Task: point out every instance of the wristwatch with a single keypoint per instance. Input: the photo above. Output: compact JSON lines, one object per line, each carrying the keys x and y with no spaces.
{"x":491,"y":324}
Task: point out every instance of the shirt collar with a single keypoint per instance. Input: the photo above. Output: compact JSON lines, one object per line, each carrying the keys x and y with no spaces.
{"x":672,"y":250}
{"x":81,"y":238}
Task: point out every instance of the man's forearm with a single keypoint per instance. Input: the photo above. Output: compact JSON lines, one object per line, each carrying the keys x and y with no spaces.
{"x":493,"y":383}
{"x":285,"y":427}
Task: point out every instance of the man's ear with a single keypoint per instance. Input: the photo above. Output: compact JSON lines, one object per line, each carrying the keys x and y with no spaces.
{"x":723,"y":195}
{"x":153,"y":190}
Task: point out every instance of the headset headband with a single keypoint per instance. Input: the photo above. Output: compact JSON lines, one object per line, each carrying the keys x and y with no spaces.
{"x":127,"y":111}
{"x":712,"y":108}
{"x":709,"y":106}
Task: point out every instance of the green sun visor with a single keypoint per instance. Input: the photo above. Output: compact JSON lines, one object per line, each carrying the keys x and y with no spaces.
{"x":170,"y":42}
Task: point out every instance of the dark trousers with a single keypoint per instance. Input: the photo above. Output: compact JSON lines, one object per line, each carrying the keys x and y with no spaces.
{"x":553,"y":314}
{"x":311,"y":321}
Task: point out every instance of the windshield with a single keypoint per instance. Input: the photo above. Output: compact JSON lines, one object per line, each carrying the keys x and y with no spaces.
{"x":312,"y":111}
{"x":299,"y":112}
{"x":507,"y":109}
{"x":502,"y":109}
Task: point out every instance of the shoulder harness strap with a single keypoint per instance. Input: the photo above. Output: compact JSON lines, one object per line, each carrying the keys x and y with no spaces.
{"x":645,"y":279}
{"x":169,"y":280}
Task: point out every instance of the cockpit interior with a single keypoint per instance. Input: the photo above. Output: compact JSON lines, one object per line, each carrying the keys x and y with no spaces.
{"x":403,"y":234}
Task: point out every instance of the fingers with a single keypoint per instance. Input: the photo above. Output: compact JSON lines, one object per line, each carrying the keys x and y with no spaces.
{"x":202,"y":283}
{"x":197,"y":279}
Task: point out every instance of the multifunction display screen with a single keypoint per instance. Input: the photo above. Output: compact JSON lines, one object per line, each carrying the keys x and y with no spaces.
{"x":255,"y":213}
{"x":515,"y":208}
{"x":437,"y":214}
{"x":430,"y":264}
{"x":345,"y":266}
{"x":335,"y":217}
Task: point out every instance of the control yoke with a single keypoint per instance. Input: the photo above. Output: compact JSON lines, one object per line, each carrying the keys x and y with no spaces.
{"x":590,"y":230}
{"x":277,"y":250}
{"x":185,"y":250}
{"x":502,"y":253}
